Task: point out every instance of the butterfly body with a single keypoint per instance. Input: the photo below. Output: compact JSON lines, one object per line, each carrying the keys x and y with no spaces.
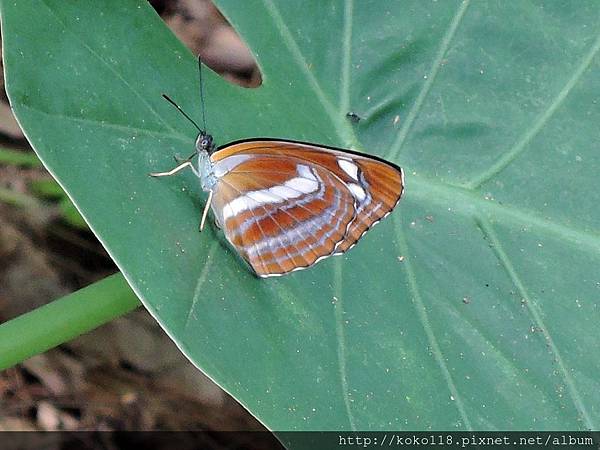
{"x":205,"y":167}
{"x":285,"y":205}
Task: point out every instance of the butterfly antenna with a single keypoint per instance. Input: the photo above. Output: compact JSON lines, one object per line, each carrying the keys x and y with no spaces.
{"x":167,"y":98}
{"x":202,"y":93}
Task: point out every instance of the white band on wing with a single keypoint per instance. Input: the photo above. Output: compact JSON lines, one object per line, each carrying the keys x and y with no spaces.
{"x":349,"y":167}
{"x":295,"y":187}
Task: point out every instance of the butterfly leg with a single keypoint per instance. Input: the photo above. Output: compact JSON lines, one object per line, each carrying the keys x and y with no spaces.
{"x":173,"y":171}
{"x":178,"y":159}
{"x":206,"y":208}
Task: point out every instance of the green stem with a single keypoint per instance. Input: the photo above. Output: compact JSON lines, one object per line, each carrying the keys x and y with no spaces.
{"x":64,"y":319}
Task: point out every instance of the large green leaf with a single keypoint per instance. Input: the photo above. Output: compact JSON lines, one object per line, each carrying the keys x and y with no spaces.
{"x":475,"y":306}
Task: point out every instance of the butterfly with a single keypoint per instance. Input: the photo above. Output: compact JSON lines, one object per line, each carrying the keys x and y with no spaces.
{"x":284,"y":205}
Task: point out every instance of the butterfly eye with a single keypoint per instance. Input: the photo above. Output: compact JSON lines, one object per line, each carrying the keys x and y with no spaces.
{"x":204,"y":142}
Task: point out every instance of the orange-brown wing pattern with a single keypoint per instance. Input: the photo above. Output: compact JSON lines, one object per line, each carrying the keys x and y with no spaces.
{"x":375,"y":184}
{"x":280,"y":214}
{"x":381,"y":187}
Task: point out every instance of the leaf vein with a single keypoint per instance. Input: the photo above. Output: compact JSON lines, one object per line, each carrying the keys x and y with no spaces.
{"x":341,"y":339}
{"x":542,"y":120}
{"x":125,"y":128}
{"x":200,"y":282}
{"x":398,"y":143}
{"x":110,"y":68}
{"x":338,"y":121}
{"x":423,"y":317}
{"x":346,"y":58}
{"x":489,"y":233}
{"x":297,"y":55}
{"x":459,"y":200}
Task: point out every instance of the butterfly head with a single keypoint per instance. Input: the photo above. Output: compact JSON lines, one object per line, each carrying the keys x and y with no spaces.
{"x":204,"y":143}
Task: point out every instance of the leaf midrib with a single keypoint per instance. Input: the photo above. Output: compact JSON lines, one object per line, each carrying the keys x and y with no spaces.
{"x":471,"y":203}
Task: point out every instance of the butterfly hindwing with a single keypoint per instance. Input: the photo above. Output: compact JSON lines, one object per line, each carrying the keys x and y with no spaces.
{"x":281,"y":213}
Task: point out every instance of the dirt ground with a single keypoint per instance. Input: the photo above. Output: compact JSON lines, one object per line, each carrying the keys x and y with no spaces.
{"x":100,"y":381}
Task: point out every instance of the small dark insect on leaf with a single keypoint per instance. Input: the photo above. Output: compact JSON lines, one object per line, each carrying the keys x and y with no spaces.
{"x":355,"y":118}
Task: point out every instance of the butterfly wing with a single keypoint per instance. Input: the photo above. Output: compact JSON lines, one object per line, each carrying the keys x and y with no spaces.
{"x":280,"y":213}
{"x":375,"y":184}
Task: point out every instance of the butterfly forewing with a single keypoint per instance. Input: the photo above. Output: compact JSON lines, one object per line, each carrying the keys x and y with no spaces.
{"x":281,"y":213}
{"x":376,"y":185}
